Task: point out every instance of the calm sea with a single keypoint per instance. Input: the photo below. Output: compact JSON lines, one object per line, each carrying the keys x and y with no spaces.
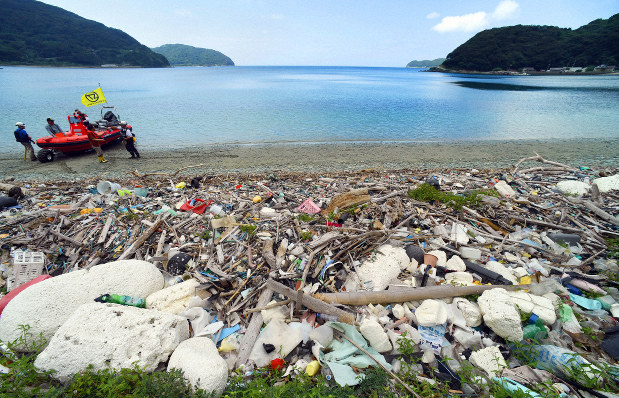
{"x":178,"y":107}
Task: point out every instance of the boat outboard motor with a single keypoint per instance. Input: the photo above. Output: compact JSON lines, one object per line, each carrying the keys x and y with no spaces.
{"x":111,"y":118}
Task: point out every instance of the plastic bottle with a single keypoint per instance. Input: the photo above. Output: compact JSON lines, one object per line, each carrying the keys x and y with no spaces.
{"x":536,"y":331}
{"x":124,"y":300}
{"x":570,"y":323}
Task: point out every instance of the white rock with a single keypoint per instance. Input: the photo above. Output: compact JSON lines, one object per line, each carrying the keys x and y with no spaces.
{"x":382,"y":268}
{"x":455,"y":263}
{"x":45,"y":306}
{"x":458,"y":234}
{"x":398,"y":311}
{"x":512,"y":258}
{"x":441,"y":256}
{"x":173,"y":299}
{"x":489,"y":360}
{"x":606,"y":184}
{"x":412,"y":335}
{"x":573,"y":187}
{"x":431,"y":313}
{"x":531,"y":304}
{"x":500,"y":269}
{"x":470,"y":311}
{"x":201,"y":364}
{"x":470,"y":253}
{"x":504,"y":189}
{"x":375,"y":335}
{"x":459,"y":278}
{"x":112,"y":336}
{"x":500,"y":314}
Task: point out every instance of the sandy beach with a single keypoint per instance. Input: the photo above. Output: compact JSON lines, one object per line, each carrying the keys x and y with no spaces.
{"x":313,"y":158}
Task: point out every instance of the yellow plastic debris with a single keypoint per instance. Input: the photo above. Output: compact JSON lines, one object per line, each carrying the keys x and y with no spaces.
{"x":525,"y":280}
{"x":257,"y":199}
{"x":88,"y":211}
{"x":312,"y":368}
{"x":225,"y":346}
{"x":181,"y":185}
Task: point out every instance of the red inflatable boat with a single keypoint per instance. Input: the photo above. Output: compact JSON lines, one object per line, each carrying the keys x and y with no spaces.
{"x":76,"y":140}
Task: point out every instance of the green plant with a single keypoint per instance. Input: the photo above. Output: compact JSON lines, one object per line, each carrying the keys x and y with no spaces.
{"x":23,"y":379}
{"x":613,"y":247}
{"x":427,"y":193}
{"x":249,"y":229}
{"x":303,"y":217}
{"x":306,"y":235}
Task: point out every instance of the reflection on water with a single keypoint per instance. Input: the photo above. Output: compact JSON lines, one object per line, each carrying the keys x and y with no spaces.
{"x":189,"y":106}
{"x":523,"y":87}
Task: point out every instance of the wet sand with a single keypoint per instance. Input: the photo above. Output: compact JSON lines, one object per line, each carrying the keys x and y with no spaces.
{"x":312,"y":158}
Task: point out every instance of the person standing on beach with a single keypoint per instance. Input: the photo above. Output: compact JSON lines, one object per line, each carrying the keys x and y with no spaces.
{"x":52,"y":128}
{"x":22,"y":137}
{"x":96,"y":144}
{"x":126,"y":131}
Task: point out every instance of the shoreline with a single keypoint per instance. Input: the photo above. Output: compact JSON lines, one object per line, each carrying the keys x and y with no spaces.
{"x":312,"y":158}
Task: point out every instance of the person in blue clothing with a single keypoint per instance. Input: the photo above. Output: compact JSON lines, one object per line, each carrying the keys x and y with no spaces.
{"x":22,"y":137}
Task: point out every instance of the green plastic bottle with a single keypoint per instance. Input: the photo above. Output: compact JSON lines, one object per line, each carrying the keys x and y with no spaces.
{"x":124,"y":300}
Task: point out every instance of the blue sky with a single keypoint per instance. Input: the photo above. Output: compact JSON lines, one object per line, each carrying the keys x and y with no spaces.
{"x":329,"y":32}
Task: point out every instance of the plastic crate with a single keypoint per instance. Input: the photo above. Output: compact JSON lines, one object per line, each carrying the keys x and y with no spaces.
{"x":26,"y":267}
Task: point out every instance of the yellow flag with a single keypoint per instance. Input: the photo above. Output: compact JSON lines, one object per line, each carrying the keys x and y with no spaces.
{"x":95,"y":97}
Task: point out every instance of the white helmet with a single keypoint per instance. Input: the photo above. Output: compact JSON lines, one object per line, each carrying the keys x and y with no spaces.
{"x":122,"y":123}
{"x":19,"y":124}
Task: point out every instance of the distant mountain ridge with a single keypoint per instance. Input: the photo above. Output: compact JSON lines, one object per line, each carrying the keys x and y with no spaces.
{"x":426,"y":63}
{"x":35,"y":33}
{"x":540,"y":47}
{"x":184,"y":55}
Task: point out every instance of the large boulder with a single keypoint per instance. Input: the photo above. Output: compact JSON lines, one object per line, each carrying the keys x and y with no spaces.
{"x":112,"y":336}
{"x":201,"y":364}
{"x":48,"y":304}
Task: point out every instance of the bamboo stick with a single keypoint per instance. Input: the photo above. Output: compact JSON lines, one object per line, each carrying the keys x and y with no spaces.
{"x":412,"y":294}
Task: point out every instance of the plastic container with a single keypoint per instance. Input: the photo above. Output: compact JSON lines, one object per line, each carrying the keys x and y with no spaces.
{"x":141,"y":191}
{"x":106,"y":187}
{"x":26,"y":267}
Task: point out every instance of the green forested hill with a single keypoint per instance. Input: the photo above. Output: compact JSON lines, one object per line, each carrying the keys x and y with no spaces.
{"x":35,"y":33}
{"x":425,"y":63}
{"x":516,"y":47}
{"x":181,"y":54}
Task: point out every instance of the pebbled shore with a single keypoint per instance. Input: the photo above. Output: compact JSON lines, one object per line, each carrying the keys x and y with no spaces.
{"x":314,"y":158}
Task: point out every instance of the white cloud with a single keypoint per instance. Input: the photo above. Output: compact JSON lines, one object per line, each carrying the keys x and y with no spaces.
{"x":463,"y":23}
{"x":433,"y":15}
{"x":505,"y":9}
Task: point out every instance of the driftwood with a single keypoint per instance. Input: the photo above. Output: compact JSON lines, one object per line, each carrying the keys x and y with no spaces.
{"x":251,"y":334}
{"x":408,"y":294}
{"x":538,"y":158}
{"x":310,"y":302}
